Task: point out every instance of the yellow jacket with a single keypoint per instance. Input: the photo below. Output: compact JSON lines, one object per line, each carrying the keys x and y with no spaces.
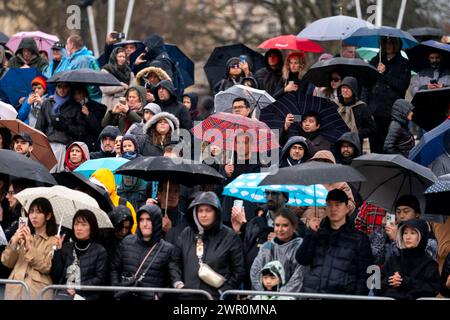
{"x":106,"y":177}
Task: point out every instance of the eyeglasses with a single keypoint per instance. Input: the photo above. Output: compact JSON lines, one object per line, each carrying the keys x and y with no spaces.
{"x":234,"y":66}
{"x":335,"y":79}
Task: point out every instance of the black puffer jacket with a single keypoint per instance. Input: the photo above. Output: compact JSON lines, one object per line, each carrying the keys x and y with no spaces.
{"x":338,"y":259}
{"x":108,"y":131}
{"x":285,"y":160}
{"x":156,"y":55}
{"x":222,"y":251}
{"x":133,"y":250}
{"x":93,"y":266}
{"x":399,"y":140}
{"x":268,"y":78}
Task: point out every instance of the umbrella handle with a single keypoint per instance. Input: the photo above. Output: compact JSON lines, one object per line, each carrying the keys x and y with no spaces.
{"x":167,"y":197}
{"x":59,"y":229}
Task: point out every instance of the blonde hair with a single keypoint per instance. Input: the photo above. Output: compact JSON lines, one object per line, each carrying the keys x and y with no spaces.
{"x":299,"y":55}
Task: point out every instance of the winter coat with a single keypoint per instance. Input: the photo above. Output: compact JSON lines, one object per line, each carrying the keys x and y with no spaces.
{"x":284,"y":156}
{"x":338,"y":260}
{"x":442,"y":233}
{"x":117,"y":216}
{"x":149,"y":128}
{"x":64,"y":128}
{"x":285,"y":253}
{"x":303,"y":87}
{"x":268,"y":79}
{"x":390,"y":87}
{"x":93,"y":267}
{"x":399,"y":140}
{"x":317,"y":141}
{"x":172,"y":105}
{"x":29,"y":113}
{"x":419,"y":272}
{"x":143,"y":74}
{"x":275,"y":268}
{"x":81,"y":59}
{"x":156,"y":55}
{"x":108,"y":131}
{"x":445,"y":291}
{"x":363,"y":119}
{"x":111,"y":94}
{"x":133,"y":249}
{"x":92,"y":124}
{"x":353,"y":139}
{"x":222,"y":251}
{"x":32,"y":267}
{"x":120,"y":120}
{"x":36,"y":61}
{"x":85,"y":155}
{"x":423,"y":78}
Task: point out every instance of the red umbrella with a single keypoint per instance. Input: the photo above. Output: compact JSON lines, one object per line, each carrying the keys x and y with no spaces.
{"x":222,"y":128}
{"x":291,"y":42}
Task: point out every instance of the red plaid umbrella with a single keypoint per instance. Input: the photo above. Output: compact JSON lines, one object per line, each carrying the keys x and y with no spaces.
{"x":291,"y":42}
{"x":221,"y":129}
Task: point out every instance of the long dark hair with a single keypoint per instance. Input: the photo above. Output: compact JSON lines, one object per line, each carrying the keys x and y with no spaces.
{"x":89,"y":217}
{"x":44,"y":206}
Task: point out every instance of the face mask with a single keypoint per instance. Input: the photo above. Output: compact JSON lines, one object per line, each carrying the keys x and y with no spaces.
{"x":129,"y":155}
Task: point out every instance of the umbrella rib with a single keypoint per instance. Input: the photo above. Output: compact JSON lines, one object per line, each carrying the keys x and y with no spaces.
{"x":391,"y":178}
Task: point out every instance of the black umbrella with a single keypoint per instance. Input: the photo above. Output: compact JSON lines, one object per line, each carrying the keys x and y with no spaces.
{"x":426,"y":33}
{"x":20,"y":166}
{"x":313,"y":173}
{"x":438,"y":195}
{"x":215,"y":67}
{"x":390,"y":176}
{"x":86,"y":77}
{"x":418,"y":56}
{"x":3,"y":38}
{"x":332,"y":125}
{"x":77,"y":181}
{"x":431,"y":107}
{"x":319,"y":74}
{"x":178,"y":170}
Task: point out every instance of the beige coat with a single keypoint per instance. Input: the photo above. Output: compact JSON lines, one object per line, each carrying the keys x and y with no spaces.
{"x":442,"y":233}
{"x":111,"y":94}
{"x":32,"y":266}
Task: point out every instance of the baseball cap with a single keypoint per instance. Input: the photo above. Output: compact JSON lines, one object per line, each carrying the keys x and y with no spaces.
{"x":59,"y":45}
{"x":24,"y":136}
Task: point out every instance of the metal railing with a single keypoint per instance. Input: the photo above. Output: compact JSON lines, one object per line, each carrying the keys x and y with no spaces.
{"x":302,"y":295}
{"x":129,"y":289}
{"x":22,"y":283}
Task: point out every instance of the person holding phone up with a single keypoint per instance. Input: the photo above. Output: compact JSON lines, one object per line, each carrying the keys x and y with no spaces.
{"x":29,"y":110}
{"x":238,"y":70}
{"x":293,"y":71}
{"x":121,"y":115}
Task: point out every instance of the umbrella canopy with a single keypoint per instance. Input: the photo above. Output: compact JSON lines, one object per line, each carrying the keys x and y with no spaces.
{"x":313,"y":172}
{"x":215,"y":68}
{"x":89,"y":167}
{"x":221,"y":129}
{"x":431,"y":107}
{"x":42,"y":151}
{"x":18,"y":165}
{"x":320,"y":73}
{"x":183,"y":171}
{"x":432,"y":145}
{"x":368,"y":54}
{"x":418,"y":56}
{"x":16,"y":83}
{"x":370,"y":37}
{"x":257,"y":98}
{"x":77,"y":181}
{"x":437,"y":196}
{"x":3,"y":38}
{"x":332,"y":126}
{"x":186,"y":65}
{"x":65,"y":203}
{"x":246,"y":187}
{"x":426,"y":32}
{"x":391,"y":176}
{"x":44,"y":41}
{"x":291,"y":42}
{"x":85,"y":76}
{"x":333,"y":28}
{"x":7,"y":111}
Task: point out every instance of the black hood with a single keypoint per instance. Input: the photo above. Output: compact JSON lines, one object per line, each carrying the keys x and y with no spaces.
{"x":109,"y":131}
{"x":295,"y":140}
{"x":166,"y":84}
{"x":28,"y":43}
{"x":350,"y":137}
{"x":120,"y":214}
{"x":156,"y":216}
{"x":209,"y":198}
{"x":400,"y":110}
{"x":353,"y":84}
{"x":154,"y":45}
{"x":194,"y":100}
{"x":280,"y":61}
{"x":421,"y":226}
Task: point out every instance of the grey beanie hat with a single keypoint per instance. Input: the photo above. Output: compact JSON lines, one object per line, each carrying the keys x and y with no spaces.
{"x":153,"y":108}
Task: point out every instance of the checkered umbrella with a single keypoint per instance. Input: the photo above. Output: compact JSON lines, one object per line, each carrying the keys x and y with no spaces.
{"x":222,"y":128}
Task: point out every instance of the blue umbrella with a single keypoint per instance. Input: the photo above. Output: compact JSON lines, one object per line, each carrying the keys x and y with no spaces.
{"x":89,"y":167}
{"x":370,"y":37}
{"x":185,"y":63}
{"x":246,"y":187}
{"x":432,"y":145}
{"x":17,"y":83}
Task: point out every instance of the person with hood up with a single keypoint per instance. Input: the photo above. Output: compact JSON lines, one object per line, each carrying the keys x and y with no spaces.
{"x":347,"y":148}
{"x":122,"y":220}
{"x":76,"y":153}
{"x":160,"y":131}
{"x":107,"y":139}
{"x":166,"y":98}
{"x":149,"y":78}
{"x":269,"y":76}
{"x":237,"y":71}
{"x":27,"y":56}
{"x":144,"y":255}
{"x":282,"y":248}
{"x":296,"y":151}
{"x":105,"y":179}
{"x":154,"y":55}
{"x":399,"y":140}
{"x":208,"y":241}
{"x":413,"y":274}
{"x":138,"y":128}
{"x":133,"y":189}
{"x":353,"y":111}
{"x":120,"y":69}
{"x":29,"y":110}
{"x":272,"y":279}
{"x":190,"y":101}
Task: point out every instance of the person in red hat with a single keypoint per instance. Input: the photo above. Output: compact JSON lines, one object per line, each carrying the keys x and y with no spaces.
{"x":29,"y":110}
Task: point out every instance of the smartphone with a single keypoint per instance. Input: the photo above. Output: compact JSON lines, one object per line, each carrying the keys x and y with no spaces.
{"x":123,"y":100}
{"x":115,"y":35}
{"x":23,"y":221}
{"x":390,"y":218}
{"x":242,"y":58}
{"x":297,"y":118}
{"x":120,"y":36}
{"x":238,"y":204}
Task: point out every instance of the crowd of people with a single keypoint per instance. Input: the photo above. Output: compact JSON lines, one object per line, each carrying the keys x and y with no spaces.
{"x":195,"y":237}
